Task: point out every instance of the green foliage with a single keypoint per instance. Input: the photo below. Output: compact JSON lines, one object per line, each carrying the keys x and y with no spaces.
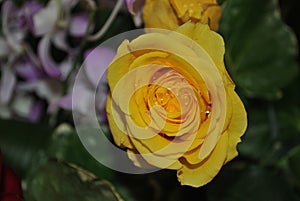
{"x":66,"y":146}
{"x":60,"y":182}
{"x":260,"y":48}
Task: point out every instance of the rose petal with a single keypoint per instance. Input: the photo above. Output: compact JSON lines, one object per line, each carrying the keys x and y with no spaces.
{"x":47,"y":62}
{"x":202,"y":173}
{"x":237,"y":125}
{"x":44,"y":20}
{"x":166,"y":19}
{"x":7,"y":84}
{"x":96,"y":63}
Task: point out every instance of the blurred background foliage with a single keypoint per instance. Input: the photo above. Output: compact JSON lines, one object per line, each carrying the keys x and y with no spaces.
{"x":263,"y":59}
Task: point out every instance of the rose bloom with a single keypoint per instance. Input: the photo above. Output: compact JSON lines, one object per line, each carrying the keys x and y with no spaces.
{"x":172,"y":103}
{"x":169,"y":14}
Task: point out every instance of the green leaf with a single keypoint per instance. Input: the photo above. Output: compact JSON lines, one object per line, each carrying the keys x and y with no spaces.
{"x":20,"y":142}
{"x":260,"y":49}
{"x":65,"y":145}
{"x":60,"y":182}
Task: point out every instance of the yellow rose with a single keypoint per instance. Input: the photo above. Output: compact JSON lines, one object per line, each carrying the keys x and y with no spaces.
{"x":173,"y":105}
{"x":169,"y":14}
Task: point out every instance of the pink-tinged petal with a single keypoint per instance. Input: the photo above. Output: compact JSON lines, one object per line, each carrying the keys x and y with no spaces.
{"x":48,"y":63}
{"x":65,"y":103}
{"x":96,"y":63}
{"x":27,"y":70}
{"x":7,"y":84}
{"x":45,"y":19}
{"x":48,"y":89}
{"x":135,"y":6}
{"x":78,"y":25}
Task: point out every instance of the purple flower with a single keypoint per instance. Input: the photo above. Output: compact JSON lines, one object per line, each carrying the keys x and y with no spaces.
{"x":27,"y":70}
{"x":54,"y":29}
{"x":90,"y":85}
{"x":27,"y":11}
{"x":32,"y":79}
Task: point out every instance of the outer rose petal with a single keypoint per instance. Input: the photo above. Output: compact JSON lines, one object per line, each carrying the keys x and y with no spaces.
{"x":212,"y":42}
{"x":237,"y":125}
{"x":120,"y":138}
{"x":169,"y":14}
{"x":202,"y":173}
{"x":159,"y":14}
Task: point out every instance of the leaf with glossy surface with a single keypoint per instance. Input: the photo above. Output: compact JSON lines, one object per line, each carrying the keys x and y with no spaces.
{"x":60,"y":182}
{"x":260,"y":49}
